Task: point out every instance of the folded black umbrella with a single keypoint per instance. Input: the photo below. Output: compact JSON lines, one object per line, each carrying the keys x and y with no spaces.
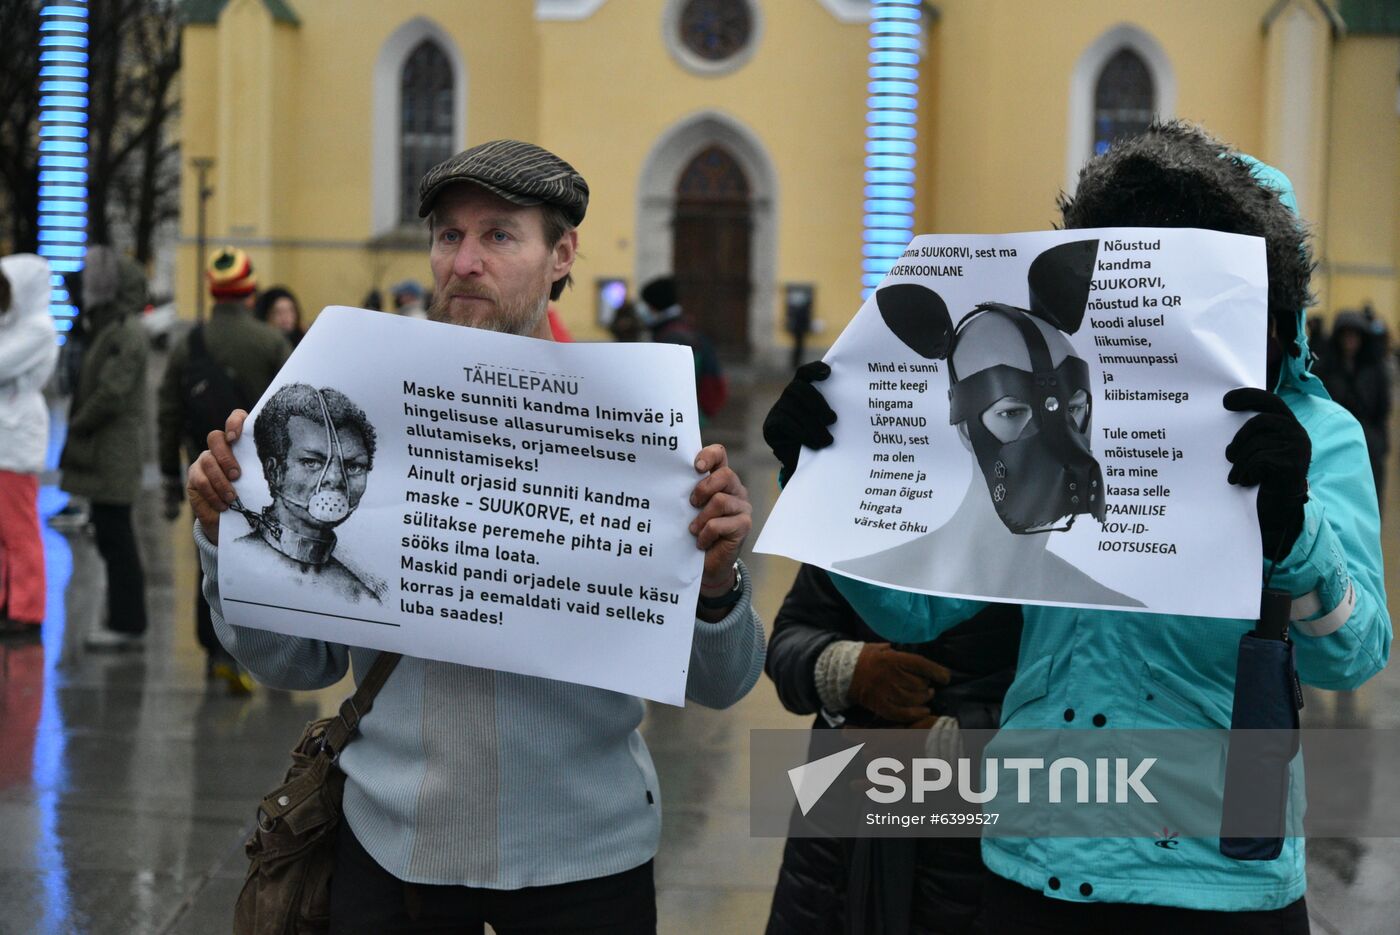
{"x":1263,"y":736}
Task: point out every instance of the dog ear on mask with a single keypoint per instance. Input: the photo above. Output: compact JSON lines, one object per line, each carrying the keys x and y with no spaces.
{"x":918,"y":316}
{"x":1059,"y":283}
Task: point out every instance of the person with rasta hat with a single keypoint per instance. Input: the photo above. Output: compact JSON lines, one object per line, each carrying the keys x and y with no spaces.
{"x":1119,"y":668}
{"x":226,"y":362}
{"x":474,"y":796}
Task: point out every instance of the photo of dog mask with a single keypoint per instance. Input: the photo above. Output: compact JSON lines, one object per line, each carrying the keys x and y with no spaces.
{"x":1046,"y":475}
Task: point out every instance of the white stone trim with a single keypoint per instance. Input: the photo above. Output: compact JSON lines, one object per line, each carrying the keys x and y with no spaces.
{"x":568,"y":10}
{"x":850,"y":11}
{"x":384,"y":117}
{"x":1079,"y":146}
{"x":656,"y":195}
{"x":670,"y":37}
{"x":1290,"y":143}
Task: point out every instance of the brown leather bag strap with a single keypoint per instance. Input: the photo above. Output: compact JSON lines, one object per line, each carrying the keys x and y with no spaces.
{"x":354,"y":708}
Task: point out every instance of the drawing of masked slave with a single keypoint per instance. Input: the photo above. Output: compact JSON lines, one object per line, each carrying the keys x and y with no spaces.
{"x":316,"y":448}
{"x":1023,"y":404}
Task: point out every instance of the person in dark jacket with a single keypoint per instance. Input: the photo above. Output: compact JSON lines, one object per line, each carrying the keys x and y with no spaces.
{"x":1353,"y":371}
{"x":824,"y":660}
{"x":669,"y":324}
{"x":102,"y":456}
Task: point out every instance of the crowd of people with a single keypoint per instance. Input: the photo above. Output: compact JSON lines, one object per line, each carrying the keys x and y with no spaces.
{"x":434,"y":838}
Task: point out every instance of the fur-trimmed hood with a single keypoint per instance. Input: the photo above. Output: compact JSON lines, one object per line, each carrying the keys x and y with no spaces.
{"x":1176,"y":175}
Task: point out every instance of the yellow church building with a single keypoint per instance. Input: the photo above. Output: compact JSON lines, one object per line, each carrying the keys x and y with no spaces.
{"x":727,"y":140}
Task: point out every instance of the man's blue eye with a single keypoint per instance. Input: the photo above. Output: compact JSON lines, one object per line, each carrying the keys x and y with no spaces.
{"x":500,"y":236}
{"x":449,"y":236}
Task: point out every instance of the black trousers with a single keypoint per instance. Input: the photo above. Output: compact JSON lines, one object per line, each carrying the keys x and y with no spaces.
{"x":126,"y":582}
{"x":1012,"y":909}
{"x":368,"y":900}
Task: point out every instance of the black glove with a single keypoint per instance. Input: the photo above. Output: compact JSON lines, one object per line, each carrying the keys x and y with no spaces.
{"x":1273,"y":451}
{"x":174,"y":496}
{"x":799,"y":417}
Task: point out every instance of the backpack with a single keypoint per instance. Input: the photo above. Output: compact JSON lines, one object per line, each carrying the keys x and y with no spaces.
{"x":209,"y":394}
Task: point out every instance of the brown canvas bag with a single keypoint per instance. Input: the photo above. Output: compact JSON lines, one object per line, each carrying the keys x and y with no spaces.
{"x":291,"y":853}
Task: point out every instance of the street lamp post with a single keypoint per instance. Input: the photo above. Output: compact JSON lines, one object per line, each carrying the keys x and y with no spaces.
{"x":202,"y":165}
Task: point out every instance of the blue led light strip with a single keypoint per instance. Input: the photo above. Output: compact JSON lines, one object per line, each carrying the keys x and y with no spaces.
{"x":891,"y":136}
{"x":63,"y":161}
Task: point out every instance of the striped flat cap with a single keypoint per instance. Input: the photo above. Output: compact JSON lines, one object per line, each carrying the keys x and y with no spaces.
{"x":521,"y":173}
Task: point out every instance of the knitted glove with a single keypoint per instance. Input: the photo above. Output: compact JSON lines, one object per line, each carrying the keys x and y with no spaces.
{"x":944,"y":739}
{"x":1271,"y":450}
{"x":799,"y":417}
{"x":894,"y":685}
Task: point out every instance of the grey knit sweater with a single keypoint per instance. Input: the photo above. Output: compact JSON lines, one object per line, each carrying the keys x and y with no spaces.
{"x":474,"y":777}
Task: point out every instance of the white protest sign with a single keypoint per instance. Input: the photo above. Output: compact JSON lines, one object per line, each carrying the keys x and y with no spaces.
{"x":1079,"y":458}
{"x":457,"y":494}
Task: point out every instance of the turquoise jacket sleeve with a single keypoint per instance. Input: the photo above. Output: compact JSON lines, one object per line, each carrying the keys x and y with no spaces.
{"x":904,"y":616}
{"x":1341,"y":624}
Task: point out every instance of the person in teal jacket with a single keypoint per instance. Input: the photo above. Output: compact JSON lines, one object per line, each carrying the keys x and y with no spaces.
{"x":1090,"y":669}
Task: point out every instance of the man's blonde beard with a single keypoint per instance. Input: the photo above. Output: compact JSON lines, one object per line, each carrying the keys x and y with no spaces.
{"x":508,"y":321}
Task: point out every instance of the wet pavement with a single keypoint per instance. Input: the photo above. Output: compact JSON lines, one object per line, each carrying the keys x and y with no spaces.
{"x":127,"y":782}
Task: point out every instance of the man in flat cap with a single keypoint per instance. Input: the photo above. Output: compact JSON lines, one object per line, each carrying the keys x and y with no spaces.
{"x":477,"y":796}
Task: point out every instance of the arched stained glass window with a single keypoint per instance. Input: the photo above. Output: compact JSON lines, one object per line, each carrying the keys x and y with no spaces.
{"x":1124,"y":99}
{"x":425,"y":120}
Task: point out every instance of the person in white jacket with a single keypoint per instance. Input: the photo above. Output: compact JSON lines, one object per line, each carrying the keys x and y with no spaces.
{"x":28,"y":352}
